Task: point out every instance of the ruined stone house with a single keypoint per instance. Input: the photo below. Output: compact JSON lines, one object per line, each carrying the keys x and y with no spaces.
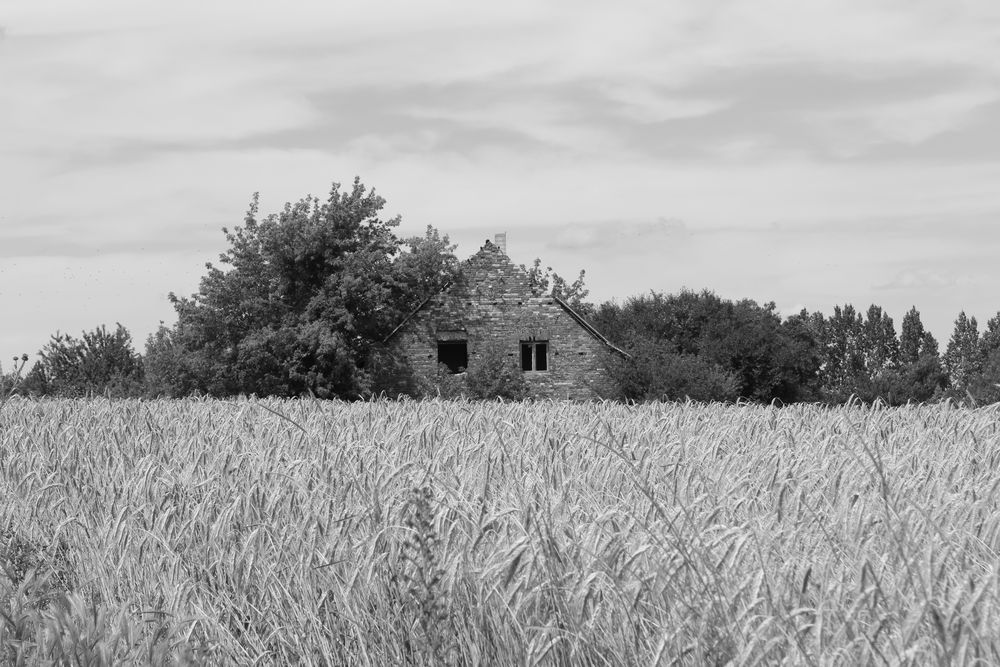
{"x":492,"y":303}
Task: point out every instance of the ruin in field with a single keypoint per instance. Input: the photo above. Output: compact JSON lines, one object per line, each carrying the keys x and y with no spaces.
{"x":492,"y":305}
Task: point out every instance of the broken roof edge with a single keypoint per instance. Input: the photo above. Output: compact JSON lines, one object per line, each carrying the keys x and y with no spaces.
{"x":414,"y":312}
{"x":489,"y":246}
{"x":589,"y":328}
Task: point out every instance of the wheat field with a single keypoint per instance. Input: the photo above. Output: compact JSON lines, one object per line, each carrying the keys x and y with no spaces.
{"x":275,"y":532}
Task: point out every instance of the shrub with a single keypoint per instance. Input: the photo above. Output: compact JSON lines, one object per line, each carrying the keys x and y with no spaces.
{"x":100,"y":362}
{"x":657,"y":374}
{"x":441,"y":384}
{"x":495,"y":375}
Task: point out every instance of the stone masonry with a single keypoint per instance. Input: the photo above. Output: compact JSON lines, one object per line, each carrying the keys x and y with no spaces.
{"x":492,"y":304}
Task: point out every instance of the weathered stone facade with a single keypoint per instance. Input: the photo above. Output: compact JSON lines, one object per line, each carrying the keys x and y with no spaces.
{"x":493,"y":304}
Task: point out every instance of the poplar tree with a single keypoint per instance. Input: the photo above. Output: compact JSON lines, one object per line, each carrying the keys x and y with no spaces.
{"x":989,"y":344}
{"x":911,"y":337}
{"x":881,"y":347}
{"x":987,"y":389}
{"x":962,"y":358}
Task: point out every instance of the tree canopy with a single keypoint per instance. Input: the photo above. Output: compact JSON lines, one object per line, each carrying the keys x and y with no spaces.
{"x":100,"y":362}
{"x":299,"y":300}
{"x":742,"y":341}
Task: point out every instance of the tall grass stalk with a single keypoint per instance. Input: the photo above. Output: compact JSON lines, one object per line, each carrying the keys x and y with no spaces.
{"x":210,"y":532}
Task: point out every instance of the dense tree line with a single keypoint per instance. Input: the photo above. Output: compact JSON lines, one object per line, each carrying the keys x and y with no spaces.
{"x":302,"y":298}
{"x":700,"y":346}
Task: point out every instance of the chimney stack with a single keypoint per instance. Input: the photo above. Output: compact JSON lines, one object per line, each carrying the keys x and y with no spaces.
{"x":500,"y":241}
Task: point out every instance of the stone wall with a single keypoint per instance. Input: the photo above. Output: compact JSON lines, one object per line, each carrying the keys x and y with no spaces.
{"x":492,"y":303}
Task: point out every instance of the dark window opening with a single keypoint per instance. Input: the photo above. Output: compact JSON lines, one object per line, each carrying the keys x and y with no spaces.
{"x":526,"y":357}
{"x":454,"y":354}
{"x":534,"y":356}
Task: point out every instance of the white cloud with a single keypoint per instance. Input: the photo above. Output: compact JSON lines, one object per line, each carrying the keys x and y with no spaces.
{"x":910,"y":122}
{"x":131,"y":123}
{"x":644,"y":104}
{"x":921,"y":278}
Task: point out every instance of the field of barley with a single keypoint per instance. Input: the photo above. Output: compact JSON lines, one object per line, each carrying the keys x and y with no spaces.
{"x":259,"y":531}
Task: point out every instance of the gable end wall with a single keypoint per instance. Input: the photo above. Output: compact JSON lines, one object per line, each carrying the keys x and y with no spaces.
{"x":492,"y":304}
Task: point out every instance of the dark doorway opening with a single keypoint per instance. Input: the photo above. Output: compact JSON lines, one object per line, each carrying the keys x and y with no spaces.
{"x":454,"y":354}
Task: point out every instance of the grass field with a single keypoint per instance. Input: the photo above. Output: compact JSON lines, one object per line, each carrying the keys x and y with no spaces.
{"x":553,"y":533}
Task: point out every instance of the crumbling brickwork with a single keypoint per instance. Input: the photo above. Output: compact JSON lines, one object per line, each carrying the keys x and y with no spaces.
{"x":493,"y":304}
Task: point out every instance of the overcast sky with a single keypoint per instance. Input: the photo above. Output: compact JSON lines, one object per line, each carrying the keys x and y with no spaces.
{"x":812,"y":153}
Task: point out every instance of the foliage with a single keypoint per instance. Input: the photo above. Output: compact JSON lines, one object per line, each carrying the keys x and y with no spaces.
{"x":990,"y":340}
{"x":494,"y":374}
{"x":491,"y":374}
{"x":842,"y":342}
{"x":807,"y":357}
{"x":441,"y":384}
{"x":35,"y":383}
{"x":985,"y":388}
{"x":880,"y":345}
{"x":307,"y":532}
{"x":802,"y":357}
{"x":653,"y":373}
{"x":303,"y":299}
{"x":919,"y":382}
{"x":427,"y":265}
{"x":863,"y":359}
{"x":962,"y":358}
{"x":914,"y":340}
{"x":305,"y":296}
{"x":546,"y":281}
{"x":168,"y":365}
{"x":100,"y":362}
{"x":739,"y":339}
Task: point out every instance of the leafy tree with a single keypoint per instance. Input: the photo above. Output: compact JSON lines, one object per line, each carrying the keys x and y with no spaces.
{"x":548,"y":282}
{"x":990,"y":341}
{"x":962,"y":358}
{"x":985,"y":387}
{"x":802,"y":357}
{"x":100,"y":362}
{"x":880,"y":345}
{"x":919,"y":376}
{"x":301,"y":300}
{"x":922,"y":381}
{"x":168,"y":365}
{"x":929,"y":345}
{"x":843,"y":353}
{"x":748,"y":340}
{"x":912,"y":337}
{"x":654,"y":373}
{"x":34,"y":382}
{"x":742,"y":339}
{"x":428,"y":264}
{"x":863,"y":358}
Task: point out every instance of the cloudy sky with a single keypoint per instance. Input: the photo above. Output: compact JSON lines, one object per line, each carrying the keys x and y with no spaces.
{"x":808,"y":152}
